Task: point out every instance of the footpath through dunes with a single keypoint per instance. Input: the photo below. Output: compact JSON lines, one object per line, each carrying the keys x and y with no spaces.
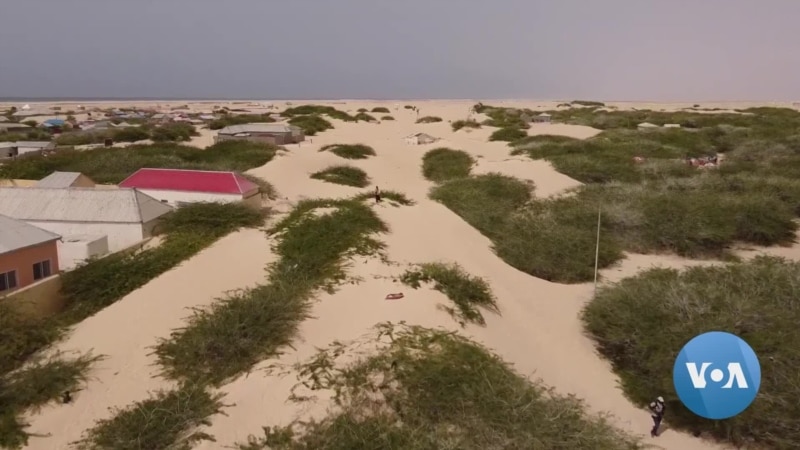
{"x":126,"y":331}
{"x":538,"y":329}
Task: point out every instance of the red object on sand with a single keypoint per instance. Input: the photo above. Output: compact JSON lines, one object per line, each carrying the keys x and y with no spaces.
{"x":394,"y":296}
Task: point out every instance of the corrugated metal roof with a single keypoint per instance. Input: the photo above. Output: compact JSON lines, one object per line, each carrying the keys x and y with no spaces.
{"x":59,"y":180}
{"x":257,"y":128}
{"x":13,"y":126}
{"x":80,"y":205}
{"x":206,"y":181}
{"x":17,"y":234}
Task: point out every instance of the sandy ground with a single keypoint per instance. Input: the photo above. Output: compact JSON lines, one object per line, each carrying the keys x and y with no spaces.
{"x":126,"y":331}
{"x":538,"y":329}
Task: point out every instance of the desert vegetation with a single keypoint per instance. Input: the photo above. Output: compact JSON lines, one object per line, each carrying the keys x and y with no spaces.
{"x":756,"y":300}
{"x":227,"y":120}
{"x":170,"y":132}
{"x":311,"y":125}
{"x":443,"y":164}
{"x":387,"y":118}
{"x":87,"y":290}
{"x":429,"y":119}
{"x":318,"y":110}
{"x":112,"y":165}
{"x":468,"y":123}
{"x":434,"y":389}
{"x":364,"y":117}
{"x":659,"y":204}
{"x":349,"y":151}
{"x":588,"y":103}
{"x":380,"y":109}
{"x":344,"y":175}
{"x":468,"y":293}
{"x":508,"y":134}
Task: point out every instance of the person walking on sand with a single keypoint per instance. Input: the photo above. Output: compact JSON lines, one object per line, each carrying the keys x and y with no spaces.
{"x":657,"y":409}
{"x":377,"y":194}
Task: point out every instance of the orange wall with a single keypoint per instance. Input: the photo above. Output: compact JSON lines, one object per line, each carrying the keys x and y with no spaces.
{"x":23,"y":260}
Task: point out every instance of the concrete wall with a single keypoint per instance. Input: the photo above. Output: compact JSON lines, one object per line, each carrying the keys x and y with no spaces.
{"x":254,"y":201}
{"x":72,"y":254}
{"x":40,"y":299}
{"x":173,"y":197}
{"x":22,"y":261}
{"x":120,"y":235}
{"x":83,"y":181}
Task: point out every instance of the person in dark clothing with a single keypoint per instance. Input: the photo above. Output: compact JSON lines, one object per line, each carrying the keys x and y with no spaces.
{"x":657,"y":409}
{"x":377,"y":195}
{"x":66,"y":397}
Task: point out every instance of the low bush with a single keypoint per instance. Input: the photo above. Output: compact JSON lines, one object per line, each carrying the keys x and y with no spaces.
{"x":311,"y":125}
{"x":469,"y":123}
{"x":228,"y":338}
{"x":394,"y":197}
{"x":318,"y":110}
{"x":173,"y":132}
{"x":112,"y":165}
{"x":362,"y":110}
{"x":588,"y":103}
{"x":467,"y":292}
{"x":442,"y":164}
{"x":380,"y":109}
{"x":350,"y":151}
{"x":168,"y":420}
{"x":426,"y":389}
{"x":429,"y":119}
{"x":409,"y":107}
{"x":227,"y":120}
{"x":756,"y":300}
{"x":365,"y":117}
{"x":344,"y":175}
{"x":387,"y":118}
{"x":508,"y":134}
{"x":38,"y":383}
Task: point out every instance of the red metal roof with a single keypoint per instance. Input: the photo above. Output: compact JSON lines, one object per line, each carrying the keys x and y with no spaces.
{"x":190,"y":181}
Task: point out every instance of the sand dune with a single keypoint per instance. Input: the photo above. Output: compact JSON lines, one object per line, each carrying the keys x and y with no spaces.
{"x":538,"y":329}
{"x":125,"y":332}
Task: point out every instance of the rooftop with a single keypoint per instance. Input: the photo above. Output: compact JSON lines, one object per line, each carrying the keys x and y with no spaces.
{"x":257,"y":128}
{"x":80,"y":205}
{"x":18,"y":235}
{"x":12,"y":126}
{"x":190,"y":181}
{"x":59,"y":179}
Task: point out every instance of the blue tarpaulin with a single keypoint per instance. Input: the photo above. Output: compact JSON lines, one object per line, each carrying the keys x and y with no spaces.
{"x":54,"y":122}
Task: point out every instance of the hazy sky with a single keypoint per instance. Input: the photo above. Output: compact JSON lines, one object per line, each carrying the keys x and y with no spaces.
{"x":543,"y":49}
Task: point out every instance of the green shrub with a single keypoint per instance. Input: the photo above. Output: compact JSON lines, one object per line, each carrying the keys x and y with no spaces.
{"x":588,"y":103}
{"x":30,"y":123}
{"x":133,"y":134}
{"x":431,"y":389}
{"x":508,"y":134}
{"x":469,"y":123}
{"x":362,"y":110}
{"x":232,"y":335}
{"x":318,"y":110}
{"x":380,"y":109}
{"x":468,"y":293}
{"x":429,"y":119}
{"x":409,"y":107}
{"x":344,"y":175}
{"x":365,"y":117}
{"x":168,"y":420}
{"x":112,"y":165}
{"x":387,"y":118}
{"x":175,"y":132}
{"x":239,"y":119}
{"x":755,"y":300}
{"x":37,"y":384}
{"x":444,"y":164}
{"x":394,"y":197}
{"x":350,"y":151}
{"x":311,"y":125}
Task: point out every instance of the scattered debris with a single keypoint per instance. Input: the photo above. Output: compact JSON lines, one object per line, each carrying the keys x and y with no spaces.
{"x":396,"y":296}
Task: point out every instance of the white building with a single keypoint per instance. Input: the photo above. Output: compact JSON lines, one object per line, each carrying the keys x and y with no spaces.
{"x":176,"y":186}
{"x":419,"y":139}
{"x":646,"y":126}
{"x":125,"y":216}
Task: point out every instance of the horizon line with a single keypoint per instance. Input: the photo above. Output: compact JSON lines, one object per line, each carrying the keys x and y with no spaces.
{"x":65,"y":99}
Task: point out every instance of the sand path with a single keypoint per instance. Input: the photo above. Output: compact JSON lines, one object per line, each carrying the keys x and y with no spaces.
{"x":126,"y":331}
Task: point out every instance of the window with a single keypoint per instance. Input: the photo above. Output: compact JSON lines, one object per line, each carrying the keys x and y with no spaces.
{"x":8,"y":280}
{"x":41,"y":270}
